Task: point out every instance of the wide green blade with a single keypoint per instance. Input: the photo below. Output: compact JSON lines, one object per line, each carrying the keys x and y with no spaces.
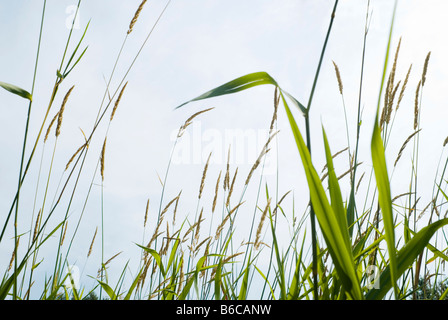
{"x":243,"y":290}
{"x":110,"y":292}
{"x":384,"y":198}
{"x":336,"y":241}
{"x":405,"y":257}
{"x":16,"y":90}
{"x":156,"y":257}
{"x":335,"y":194}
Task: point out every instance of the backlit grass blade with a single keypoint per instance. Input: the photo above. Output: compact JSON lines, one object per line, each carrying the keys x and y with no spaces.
{"x":335,"y":193}
{"x":243,"y":290}
{"x":218,"y":281}
{"x":156,"y":257}
{"x":384,"y":198}
{"x":243,"y":83}
{"x":16,"y":90}
{"x":405,"y":258}
{"x":6,"y":285}
{"x":133,"y":285}
{"x":280,"y":264}
{"x":266,"y":280}
{"x":294,"y":289}
{"x":110,"y":292}
{"x":186,"y":290}
{"x":337,"y":245}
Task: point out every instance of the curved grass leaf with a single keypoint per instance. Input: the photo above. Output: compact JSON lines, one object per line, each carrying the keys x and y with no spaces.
{"x":405,"y":257}
{"x":16,"y":90}
{"x":156,"y":257}
{"x":243,"y":83}
{"x":110,"y":292}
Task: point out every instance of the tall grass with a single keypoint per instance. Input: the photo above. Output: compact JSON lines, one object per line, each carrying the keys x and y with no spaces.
{"x":357,"y":249}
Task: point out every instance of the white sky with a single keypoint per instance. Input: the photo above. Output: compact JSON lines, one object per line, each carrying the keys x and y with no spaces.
{"x":197,"y":46}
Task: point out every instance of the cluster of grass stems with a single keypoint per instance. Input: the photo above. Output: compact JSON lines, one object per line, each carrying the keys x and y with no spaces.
{"x":364,"y":247}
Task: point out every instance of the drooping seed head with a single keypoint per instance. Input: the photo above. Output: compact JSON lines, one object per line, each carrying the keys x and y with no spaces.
{"x":189,"y":121}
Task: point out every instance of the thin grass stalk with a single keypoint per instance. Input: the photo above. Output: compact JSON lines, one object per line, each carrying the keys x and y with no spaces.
{"x":101,"y":115}
{"x":24,"y":143}
{"x":53,"y":95}
{"x":308,"y":142}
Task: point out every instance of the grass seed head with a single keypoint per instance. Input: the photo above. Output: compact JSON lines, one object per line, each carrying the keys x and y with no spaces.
{"x":338,"y":76}
{"x":146,"y":213}
{"x":136,"y":15}
{"x":400,"y":97}
{"x":14,"y":253}
{"x":204,"y":175}
{"x":74,"y":155}
{"x":445,"y":142}
{"x":416,"y":105}
{"x":103,"y":151}
{"x":227,"y":176}
{"x":51,"y":125}
{"x":425,"y":68}
{"x":260,"y":225}
{"x":117,"y":102}
{"x":189,"y":121}
{"x":36,"y":226}
{"x":231,"y":187}
{"x":61,"y":111}
{"x":216,"y":192}
{"x":92,"y":242}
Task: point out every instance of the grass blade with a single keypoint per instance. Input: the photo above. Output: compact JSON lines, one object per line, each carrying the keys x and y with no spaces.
{"x":110,"y":292}
{"x":243,"y":290}
{"x":243,"y":83}
{"x":384,"y":198}
{"x":16,"y":90}
{"x":156,"y":257}
{"x":335,"y":194}
{"x":405,"y":257}
{"x":337,"y":245}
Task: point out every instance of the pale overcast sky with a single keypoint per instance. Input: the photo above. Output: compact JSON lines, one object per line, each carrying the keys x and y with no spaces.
{"x":198,"y":45}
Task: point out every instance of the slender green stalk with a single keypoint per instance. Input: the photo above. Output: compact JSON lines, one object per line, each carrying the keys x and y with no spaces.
{"x":24,"y":148}
{"x":308,"y":143}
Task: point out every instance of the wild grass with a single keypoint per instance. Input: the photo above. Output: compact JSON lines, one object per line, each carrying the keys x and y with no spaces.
{"x":364,"y":247}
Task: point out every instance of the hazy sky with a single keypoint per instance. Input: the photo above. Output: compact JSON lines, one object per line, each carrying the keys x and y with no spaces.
{"x":197,"y":46}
